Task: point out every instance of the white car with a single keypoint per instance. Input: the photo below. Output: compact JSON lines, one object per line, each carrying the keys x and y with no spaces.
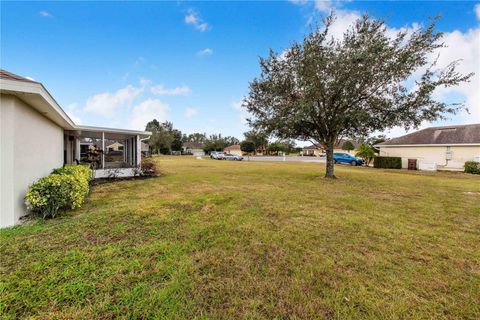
{"x":217,"y":155}
{"x":229,"y":156}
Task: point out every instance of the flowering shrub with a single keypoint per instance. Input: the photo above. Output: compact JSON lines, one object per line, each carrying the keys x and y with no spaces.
{"x":66,"y":188}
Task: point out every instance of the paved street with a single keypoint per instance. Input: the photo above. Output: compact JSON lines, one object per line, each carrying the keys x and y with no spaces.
{"x":272,"y":158}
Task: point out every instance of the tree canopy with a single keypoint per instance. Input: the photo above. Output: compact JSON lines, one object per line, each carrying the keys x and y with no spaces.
{"x":324,"y":89}
{"x":258,"y":138}
{"x":216,"y":142}
{"x":348,"y":146}
{"x":247,"y":146}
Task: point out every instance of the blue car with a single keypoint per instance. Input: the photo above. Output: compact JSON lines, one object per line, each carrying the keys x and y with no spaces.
{"x":347,"y":158}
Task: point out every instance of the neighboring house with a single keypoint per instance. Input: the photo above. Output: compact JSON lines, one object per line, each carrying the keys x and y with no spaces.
{"x":233,"y":149}
{"x":312,"y":151}
{"x":316,"y":151}
{"x":339,"y":146}
{"x":195,"y":148}
{"x":446,"y":148}
{"x":37,"y":136}
{"x":116,"y":146}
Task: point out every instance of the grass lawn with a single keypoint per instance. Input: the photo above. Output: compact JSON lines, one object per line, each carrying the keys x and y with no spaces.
{"x":257,"y":240}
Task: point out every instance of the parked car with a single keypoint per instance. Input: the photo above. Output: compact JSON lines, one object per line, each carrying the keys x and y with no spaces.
{"x":217,"y":155}
{"x":230,"y":156}
{"x":347,"y":158}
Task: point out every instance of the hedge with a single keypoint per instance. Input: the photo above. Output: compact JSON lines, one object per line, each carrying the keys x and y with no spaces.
{"x":387,"y":162}
{"x":65,"y":188}
{"x":472,"y":167}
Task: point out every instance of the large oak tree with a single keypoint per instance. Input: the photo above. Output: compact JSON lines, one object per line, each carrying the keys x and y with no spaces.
{"x":324,"y":89}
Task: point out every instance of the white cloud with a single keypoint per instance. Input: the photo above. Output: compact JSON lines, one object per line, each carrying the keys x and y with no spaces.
{"x":161,"y":90}
{"x":194,"y":19}
{"x":469,"y":42}
{"x":145,"y":82}
{"x":125,"y":76}
{"x":205,"y":52}
{"x":107,"y":103}
{"x":324,"y":6}
{"x":72,"y":110}
{"x":45,"y":14}
{"x":147,"y":111}
{"x":242,"y":112}
{"x":477,"y":10}
{"x":190,"y":112}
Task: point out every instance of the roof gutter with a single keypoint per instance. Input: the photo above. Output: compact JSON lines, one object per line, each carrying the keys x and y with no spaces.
{"x":24,"y":90}
{"x":428,"y":145}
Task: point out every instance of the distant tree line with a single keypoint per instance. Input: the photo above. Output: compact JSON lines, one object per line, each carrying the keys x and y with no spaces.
{"x":165,"y":139}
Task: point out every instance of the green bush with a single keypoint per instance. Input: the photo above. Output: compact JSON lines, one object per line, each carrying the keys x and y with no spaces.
{"x":472,"y":167}
{"x":387,"y":162}
{"x":66,"y":188}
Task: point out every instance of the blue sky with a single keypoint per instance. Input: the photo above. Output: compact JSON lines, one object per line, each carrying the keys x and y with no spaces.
{"x":120,"y":64}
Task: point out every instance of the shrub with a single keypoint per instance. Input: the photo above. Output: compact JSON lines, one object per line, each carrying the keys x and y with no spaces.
{"x":366,"y":152}
{"x":472,"y":167}
{"x":80,"y":170}
{"x":148,"y":168}
{"x":387,"y":162}
{"x":66,"y":188}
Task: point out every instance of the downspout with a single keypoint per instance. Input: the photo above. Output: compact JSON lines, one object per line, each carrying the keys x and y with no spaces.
{"x":103,"y":150}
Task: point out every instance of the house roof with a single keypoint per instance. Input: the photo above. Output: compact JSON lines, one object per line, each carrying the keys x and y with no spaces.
{"x":4,"y":74}
{"x":193,"y":145}
{"x":446,"y":135}
{"x":37,"y":96}
{"x":339,"y":145}
{"x":232,"y":147}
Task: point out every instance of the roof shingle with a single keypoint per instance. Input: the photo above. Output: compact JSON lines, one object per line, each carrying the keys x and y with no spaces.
{"x":193,"y":145}
{"x":459,"y":134}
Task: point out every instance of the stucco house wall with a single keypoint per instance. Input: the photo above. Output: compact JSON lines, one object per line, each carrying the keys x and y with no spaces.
{"x":437,"y":154}
{"x":32,"y":146}
{"x":197,"y":152}
{"x":237,"y":152}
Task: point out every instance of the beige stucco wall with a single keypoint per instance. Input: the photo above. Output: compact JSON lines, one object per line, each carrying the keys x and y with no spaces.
{"x":31,"y":146}
{"x":437,"y":154}
{"x":237,"y":152}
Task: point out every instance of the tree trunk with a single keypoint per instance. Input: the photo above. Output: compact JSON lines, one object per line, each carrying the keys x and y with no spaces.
{"x":329,"y":173}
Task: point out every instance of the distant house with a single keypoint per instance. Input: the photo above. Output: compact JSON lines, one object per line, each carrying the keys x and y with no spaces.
{"x":317,"y":150}
{"x":447,"y":147}
{"x":116,"y":146}
{"x":339,"y":146}
{"x":233,"y":149}
{"x":194,"y":148}
{"x":312,"y":151}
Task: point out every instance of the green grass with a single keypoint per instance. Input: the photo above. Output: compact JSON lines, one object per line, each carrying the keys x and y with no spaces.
{"x":229,"y":240}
